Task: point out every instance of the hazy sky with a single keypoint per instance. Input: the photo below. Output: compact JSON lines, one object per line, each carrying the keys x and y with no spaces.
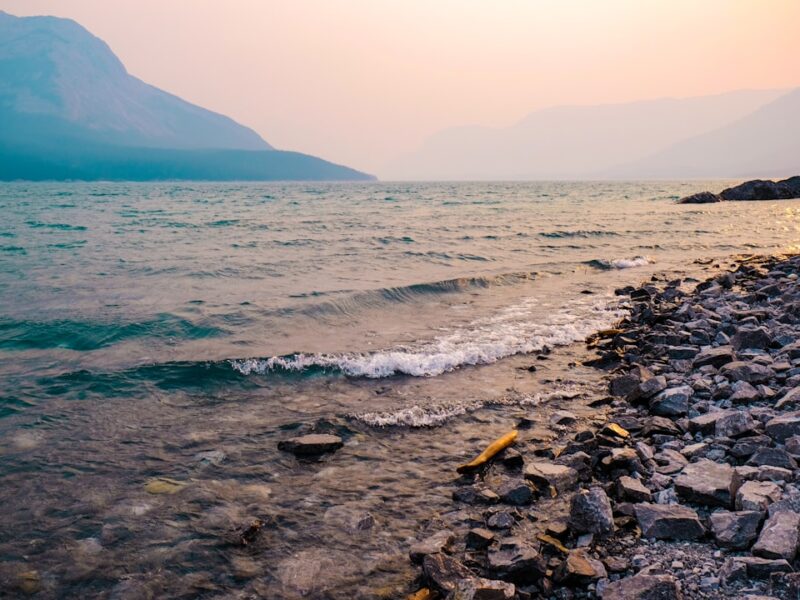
{"x":361,"y":81}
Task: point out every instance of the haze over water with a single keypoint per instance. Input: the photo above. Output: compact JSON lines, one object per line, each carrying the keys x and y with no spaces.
{"x":180,"y":330}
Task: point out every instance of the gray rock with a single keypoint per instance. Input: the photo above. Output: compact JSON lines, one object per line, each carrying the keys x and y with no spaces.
{"x":757,"y":495}
{"x":774,"y":457}
{"x":515,"y":492}
{"x":517,"y":560}
{"x":737,"y":530}
{"x":669,"y":522}
{"x":707,"y":482}
{"x":650,"y":387}
{"x":734,"y":424}
{"x":715,"y":357}
{"x":672,"y":402}
{"x":632,"y":489}
{"x":779,"y":537}
{"x":623,"y":385}
{"x":643,"y":587}
{"x":744,"y":393}
{"x":501,"y":520}
{"x":312,"y":444}
{"x":762,"y":568}
{"x":438,"y":542}
{"x":751,"y":338}
{"x":544,"y":474}
{"x":590,"y":512}
{"x":789,"y":400}
{"x":784,"y":426}
{"x":747,"y":371}
{"x":706,"y":423}
{"x":792,"y":445}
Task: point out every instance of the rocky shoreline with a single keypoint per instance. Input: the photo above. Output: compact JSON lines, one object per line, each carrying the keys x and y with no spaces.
{"x":689,"y":488}
{"x":756,"y":189}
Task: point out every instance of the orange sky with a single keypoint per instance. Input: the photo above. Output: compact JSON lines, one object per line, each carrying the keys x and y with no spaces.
{"x":361,"y":81}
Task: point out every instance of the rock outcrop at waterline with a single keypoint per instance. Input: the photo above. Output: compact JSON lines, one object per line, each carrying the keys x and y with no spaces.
{"x":757,"y":189}
{"x":698,"y":501}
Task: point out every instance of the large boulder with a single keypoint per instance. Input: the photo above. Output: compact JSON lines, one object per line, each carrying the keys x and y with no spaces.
{"x":757,"y":495}
{"x":760,"y":189}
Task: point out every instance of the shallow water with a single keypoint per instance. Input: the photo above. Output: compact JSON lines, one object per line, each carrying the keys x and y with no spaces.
{"x":181,"y":330}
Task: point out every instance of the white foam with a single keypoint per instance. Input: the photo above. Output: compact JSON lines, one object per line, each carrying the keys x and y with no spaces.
{"x":629,"y":263}
{"x":437,"y":414}
{"x":518,"y":329}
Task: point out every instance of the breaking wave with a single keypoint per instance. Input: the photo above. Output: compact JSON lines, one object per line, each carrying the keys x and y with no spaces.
{"x":514,"y":330}
{"x":619,"y":263}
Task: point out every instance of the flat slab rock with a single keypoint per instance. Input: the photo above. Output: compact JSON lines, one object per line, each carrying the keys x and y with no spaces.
{"x":544,"y":473}
{"x":707,"y":482}
{"x":784,"y":426}
{"x":643,"y":587}
{"x":312,"y":444}
{"x":668,"y":522}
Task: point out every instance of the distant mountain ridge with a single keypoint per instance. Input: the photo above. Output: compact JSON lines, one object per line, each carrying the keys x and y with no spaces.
{"x":588,"y":142}
{"x":69,"y":109}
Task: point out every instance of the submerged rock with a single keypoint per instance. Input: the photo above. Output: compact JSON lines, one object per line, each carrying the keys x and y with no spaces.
{"x":312,"y":444}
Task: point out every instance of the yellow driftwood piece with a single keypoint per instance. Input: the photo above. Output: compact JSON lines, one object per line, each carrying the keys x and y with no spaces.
{"x":492,"y":449}
{"x":617,"y":430}
{"x":423,"y":594}
{"x":551,"y":541}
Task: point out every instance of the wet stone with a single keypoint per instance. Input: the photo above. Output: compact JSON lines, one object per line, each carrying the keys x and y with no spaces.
{"x":707,"y":482}
{"x":477,"y":588}
{"x":438,"y":542}
{"x":590,"y":512}
{"x":671,"y":522}
{"x":479,"y":538}
{"x":311,"y":445}
{"x":737,"y":530}
{"x":515,"y":492}
{"x":444,"y":572}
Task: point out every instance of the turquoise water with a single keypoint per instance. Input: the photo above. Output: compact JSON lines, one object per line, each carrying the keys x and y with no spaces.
{"x":145,"y":325}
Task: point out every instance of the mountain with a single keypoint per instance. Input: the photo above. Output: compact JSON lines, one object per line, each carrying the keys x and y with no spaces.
{"x":70,"y":110}
{"x":574,"y":142}
{"x":765,"y":143}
